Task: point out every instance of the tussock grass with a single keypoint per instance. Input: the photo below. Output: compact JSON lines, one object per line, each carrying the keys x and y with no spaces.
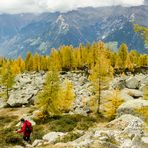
{"x":8,"y":135}
{"x":67,"y":123}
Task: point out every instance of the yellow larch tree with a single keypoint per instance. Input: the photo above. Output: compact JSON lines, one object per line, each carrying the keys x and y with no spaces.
{"x":46,"y":99}
{"x":123,"y":52}
{"x":65,"y":97}
{"x":36,"y":62}
{"x":55,"y":60}
{"x":15,"y":68}
{"x":101,"y":73}
{"x":21,"y":64}
{"x":111,"y":105}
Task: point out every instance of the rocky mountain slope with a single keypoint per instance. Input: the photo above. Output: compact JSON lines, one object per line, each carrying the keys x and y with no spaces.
{"x":30,"y":32}
{"x":27,"y":86}
{"x":127,"y":130}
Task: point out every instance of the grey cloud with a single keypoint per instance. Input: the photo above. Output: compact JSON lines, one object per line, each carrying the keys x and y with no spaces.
{"x":19,"y":6}
{"x":146,"y":2}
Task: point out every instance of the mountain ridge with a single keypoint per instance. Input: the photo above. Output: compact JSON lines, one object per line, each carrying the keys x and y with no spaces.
{"x":40,"y":33}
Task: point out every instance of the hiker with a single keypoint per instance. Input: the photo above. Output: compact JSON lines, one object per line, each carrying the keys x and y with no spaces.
{"x":26,"y":130}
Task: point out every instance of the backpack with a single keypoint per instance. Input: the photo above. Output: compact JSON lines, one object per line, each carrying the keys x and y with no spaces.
{"x":29,"y":127}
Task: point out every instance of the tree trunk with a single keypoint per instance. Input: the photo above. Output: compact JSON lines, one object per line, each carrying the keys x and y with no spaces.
{"x":99,"y":97}
{"x":7,"y":93}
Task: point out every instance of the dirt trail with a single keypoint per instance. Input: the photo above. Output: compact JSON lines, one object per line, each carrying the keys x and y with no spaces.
{"x":14,"y":111}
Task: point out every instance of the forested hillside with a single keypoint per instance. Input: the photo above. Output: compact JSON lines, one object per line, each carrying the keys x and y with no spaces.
{"x":70,"y":58}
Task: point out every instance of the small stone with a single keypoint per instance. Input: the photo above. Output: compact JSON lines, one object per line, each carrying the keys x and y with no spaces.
{"x":37,"y":142}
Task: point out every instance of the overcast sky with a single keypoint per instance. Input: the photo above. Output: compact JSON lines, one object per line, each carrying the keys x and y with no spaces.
{"x":19,"y":6}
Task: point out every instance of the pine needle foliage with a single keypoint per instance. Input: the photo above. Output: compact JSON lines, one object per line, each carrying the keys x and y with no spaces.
{"x":55,"y":98}
{"x":48,"y":96}
{"x":65,"y":97}
{"x":7,"y":78}
{"x":111,"y":105}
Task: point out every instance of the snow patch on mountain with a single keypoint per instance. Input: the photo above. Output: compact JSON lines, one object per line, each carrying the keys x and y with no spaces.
{"x":132,"y":17}
{"x":63,"y":26}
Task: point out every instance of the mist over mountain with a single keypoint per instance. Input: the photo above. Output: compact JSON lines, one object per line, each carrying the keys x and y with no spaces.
{"x":145,"y":2}
{"x":20,"y":33}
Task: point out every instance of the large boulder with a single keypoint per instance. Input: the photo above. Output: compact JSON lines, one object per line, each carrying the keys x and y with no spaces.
{"x":131,"y":130}
{"x":53,"y":136}
{"x":113,"y":134}
{"x":140,"y":77}
{"x":26,"y":87}
{"x":133,"y":93}
{"x":21,"y":97}
{"x":132,"y":83}
{"x":131,"y":107}
{"x":125,"y":96}
{"x":118,"y":83}
{"x":126,"y":123}
{"x":143,"y":79}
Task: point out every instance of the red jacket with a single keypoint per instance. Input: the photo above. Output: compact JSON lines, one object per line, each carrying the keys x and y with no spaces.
{"x":23,"y":129}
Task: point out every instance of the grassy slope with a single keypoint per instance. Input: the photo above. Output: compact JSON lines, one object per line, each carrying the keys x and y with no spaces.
{"x":9,"y":117}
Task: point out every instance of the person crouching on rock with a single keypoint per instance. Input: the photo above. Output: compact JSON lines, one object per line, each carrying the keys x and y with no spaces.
{"x":26,"y":130}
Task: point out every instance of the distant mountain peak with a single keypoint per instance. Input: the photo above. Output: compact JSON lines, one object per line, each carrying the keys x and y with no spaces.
{"x":42,"y":32}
